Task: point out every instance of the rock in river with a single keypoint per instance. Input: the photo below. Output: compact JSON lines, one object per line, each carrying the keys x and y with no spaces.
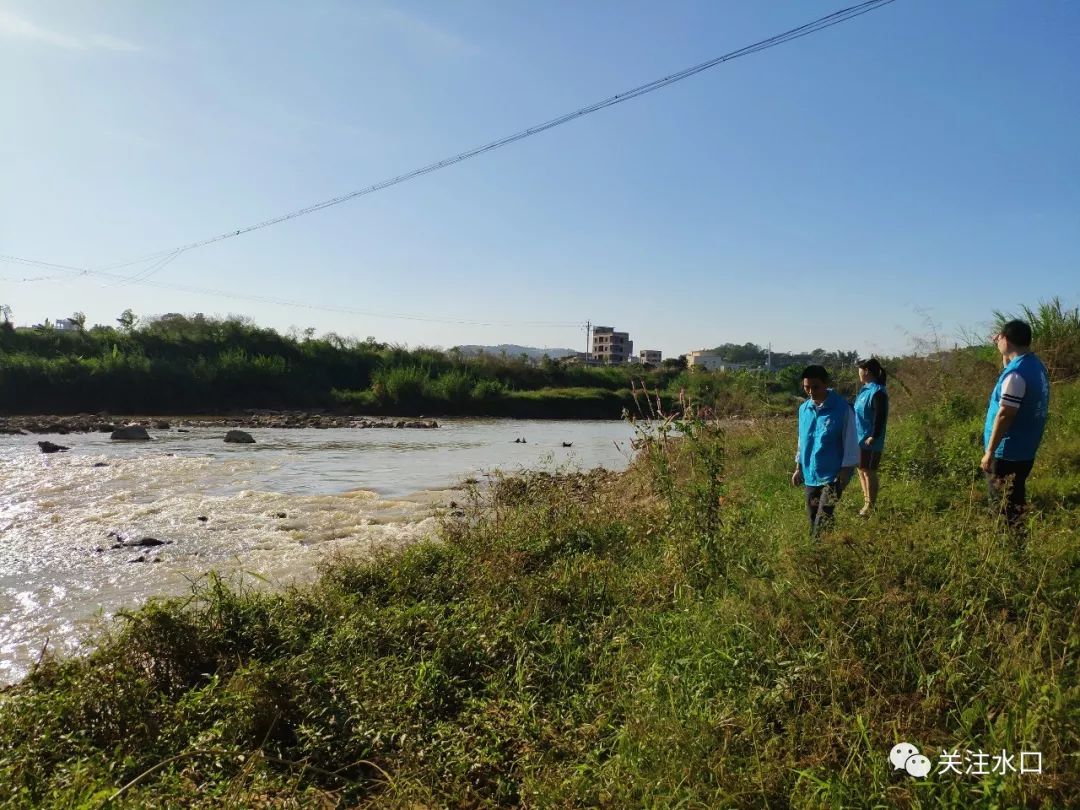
{"x":134,"y":433}
{"x":49,"y":447}
{"x":239,"y":437}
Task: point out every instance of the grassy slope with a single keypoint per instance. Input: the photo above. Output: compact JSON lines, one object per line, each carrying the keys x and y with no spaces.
{"x":672,"y":637}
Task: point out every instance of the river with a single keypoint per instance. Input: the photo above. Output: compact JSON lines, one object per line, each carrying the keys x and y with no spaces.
{"x":275,"y":509}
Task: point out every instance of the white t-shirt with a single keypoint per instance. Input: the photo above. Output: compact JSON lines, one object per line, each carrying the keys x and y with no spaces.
{"x":1013,"y":389}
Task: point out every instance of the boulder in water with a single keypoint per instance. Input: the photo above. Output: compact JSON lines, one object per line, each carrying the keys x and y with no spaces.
{"x":145,"y":542}
{"x":49,"y":447}
{"x":239,"y":437}
{"x":131,"y":433}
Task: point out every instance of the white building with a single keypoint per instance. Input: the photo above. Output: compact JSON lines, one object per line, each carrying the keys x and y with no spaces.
{"x":66,"y":325}
{"x":580,"y":359}
{"x":705,"y":359}
{"x":650,"y":356}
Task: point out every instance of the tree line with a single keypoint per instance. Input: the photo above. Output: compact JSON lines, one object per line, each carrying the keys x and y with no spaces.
{"x":177,"y":362}
{"x":192,"y":363}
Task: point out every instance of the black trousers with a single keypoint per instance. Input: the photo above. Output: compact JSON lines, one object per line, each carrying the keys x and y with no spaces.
{"x":1007,"y":485}
{"x":821,"y":503}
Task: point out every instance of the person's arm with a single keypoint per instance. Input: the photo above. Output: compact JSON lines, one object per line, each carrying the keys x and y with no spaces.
{"x":851,"y":449}
{"x":1002,"y":422}
{"x":1012,"y":394}
{"x":880,"y":404}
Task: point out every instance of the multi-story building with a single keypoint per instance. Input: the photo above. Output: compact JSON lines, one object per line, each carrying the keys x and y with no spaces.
{"x":650,"y":356}
{"x":609,"y":346}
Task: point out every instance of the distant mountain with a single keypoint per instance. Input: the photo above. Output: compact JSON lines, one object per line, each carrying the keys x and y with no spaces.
{"x":513,"y":350}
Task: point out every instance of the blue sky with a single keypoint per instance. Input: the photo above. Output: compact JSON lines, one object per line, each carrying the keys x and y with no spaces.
{"x":907,"y":171}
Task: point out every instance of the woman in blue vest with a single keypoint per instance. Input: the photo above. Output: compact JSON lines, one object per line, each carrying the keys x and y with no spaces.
{"x":871,"y":416}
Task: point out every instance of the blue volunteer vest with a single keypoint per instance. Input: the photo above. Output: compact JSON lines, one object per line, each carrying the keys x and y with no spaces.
{"x":864,"y":416}
{"x":821,"y":439}
{"x":1022,"y":440}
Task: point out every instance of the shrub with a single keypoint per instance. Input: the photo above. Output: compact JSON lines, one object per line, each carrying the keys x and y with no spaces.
{"x":402,"y":385}
{"x":1055,"y":333}
{"x":454,"y":386}
{"x":487,"y":390}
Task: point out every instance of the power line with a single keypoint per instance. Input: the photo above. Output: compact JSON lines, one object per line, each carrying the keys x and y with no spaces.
{"x":266,"y":299}
{"x":160,"y":264}
{"x":162,"y":259}
{"x":25,"y":280}
{"x":819,"y":24}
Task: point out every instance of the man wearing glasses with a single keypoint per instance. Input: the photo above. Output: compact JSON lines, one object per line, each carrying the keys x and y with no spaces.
{"x":1015,"y":420}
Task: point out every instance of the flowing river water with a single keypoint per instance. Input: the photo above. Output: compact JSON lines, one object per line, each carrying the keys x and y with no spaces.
{"x":274,"y":509}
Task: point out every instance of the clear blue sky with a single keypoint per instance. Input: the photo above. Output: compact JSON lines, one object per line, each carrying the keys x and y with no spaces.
{"x":919,"y":162}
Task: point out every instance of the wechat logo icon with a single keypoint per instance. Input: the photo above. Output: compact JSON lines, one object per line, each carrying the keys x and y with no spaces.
{"x":906,"y":757}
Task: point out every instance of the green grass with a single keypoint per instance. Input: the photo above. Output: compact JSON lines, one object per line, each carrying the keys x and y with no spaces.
{"x":668,"y":637}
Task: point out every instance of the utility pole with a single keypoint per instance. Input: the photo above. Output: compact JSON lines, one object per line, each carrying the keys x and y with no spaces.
{"x":588,"y":340}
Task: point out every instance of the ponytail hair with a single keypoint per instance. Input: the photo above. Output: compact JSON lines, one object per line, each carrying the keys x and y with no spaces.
{"x":875,"y":368}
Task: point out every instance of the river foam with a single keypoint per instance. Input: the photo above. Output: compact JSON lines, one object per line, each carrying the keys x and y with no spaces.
{"x":274,"y":511}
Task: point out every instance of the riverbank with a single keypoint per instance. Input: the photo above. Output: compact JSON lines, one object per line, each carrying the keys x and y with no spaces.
{"x":295,"y":420}
{"x":670,"y":636}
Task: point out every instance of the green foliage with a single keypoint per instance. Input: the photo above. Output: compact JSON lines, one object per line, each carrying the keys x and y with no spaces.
{"x":455,"y":385}
{"x":488,"y":390}
{"x":668,"y":637}
{"x":401,"y":385}
{"x":1055,"y":332}
{"x":175,"y":362}
{"x":192,"y":363}
{"x":746,"y":353}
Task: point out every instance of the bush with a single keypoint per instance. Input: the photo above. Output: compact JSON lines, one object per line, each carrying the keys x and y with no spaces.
{"x":454,"y":387}
{"x":403,"y":385}
{"x":1055,"y":336}
{"x":666,"y":637}
{"x":488,"y":390}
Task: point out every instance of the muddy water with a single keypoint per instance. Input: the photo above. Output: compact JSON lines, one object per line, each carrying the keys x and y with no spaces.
{"x":273,"y":510}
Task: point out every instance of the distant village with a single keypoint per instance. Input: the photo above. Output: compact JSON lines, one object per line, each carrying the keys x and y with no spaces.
{"x":607,"y":346}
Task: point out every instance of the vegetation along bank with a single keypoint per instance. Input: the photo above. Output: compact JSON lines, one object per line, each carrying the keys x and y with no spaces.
{"x":667,"y":637}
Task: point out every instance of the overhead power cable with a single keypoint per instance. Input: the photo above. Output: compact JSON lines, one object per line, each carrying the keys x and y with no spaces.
{"x":819,"y":24}
{"x":266,"y":299}
{"x":158,"y":261}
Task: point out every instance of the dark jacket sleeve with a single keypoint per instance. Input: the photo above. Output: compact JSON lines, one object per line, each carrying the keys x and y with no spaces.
{"x":880,"y":404}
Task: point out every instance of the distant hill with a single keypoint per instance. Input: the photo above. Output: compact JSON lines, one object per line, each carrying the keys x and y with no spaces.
{"x":513,"y":350}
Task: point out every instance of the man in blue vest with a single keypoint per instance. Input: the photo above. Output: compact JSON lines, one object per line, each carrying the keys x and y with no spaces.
{"x":828,"y":447}
{"x":1015,"y":420}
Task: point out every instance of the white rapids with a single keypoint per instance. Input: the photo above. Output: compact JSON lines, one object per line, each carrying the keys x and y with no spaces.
{"x":273,"y":510}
